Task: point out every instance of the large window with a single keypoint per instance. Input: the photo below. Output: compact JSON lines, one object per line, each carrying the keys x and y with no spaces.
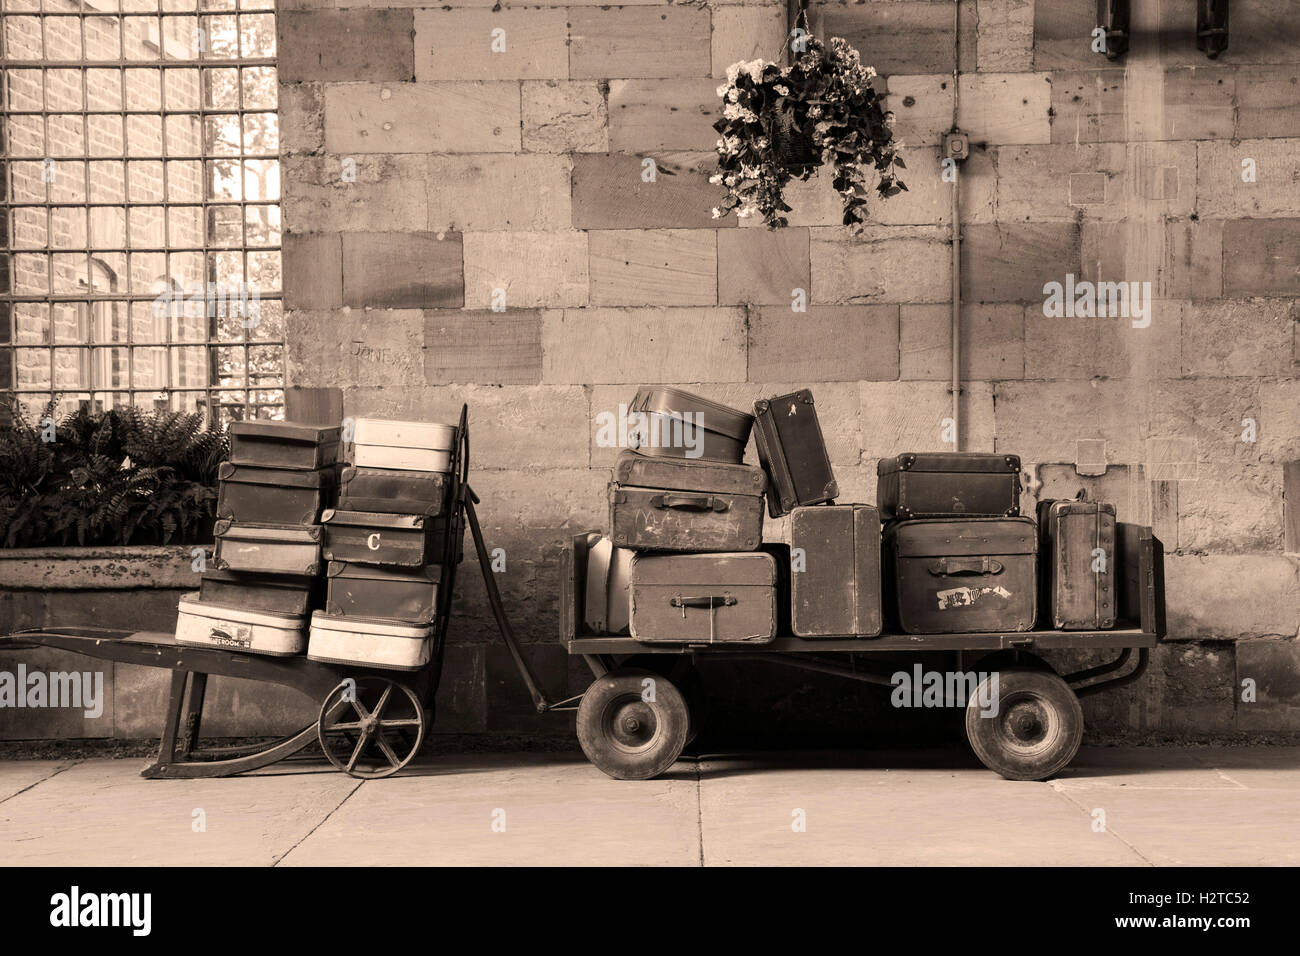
{"x":139,"y":148}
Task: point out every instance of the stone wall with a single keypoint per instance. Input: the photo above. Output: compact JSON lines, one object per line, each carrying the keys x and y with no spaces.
{"x":423,"y":172}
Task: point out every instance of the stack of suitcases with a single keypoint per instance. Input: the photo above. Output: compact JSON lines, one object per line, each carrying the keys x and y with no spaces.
{"x":385,"y":543}
{"x":264,"y":578}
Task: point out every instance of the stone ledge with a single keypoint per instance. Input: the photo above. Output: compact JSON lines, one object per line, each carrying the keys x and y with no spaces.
{"x":98,"y":568}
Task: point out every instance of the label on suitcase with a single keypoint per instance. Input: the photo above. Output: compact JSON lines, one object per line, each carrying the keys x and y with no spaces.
{"x":394,"y":492}
{"x":270,"y":550}
{"x":703,"y":598}
{"x":608,"y":602}
{"x":394,"y":594}
{"x":835,"y":573}
{"x":284,"y":445}
{"x":962,"y":575}
{"x":792,"y":451}
{"x":673,"y":423}
{"x":351,"y":640}
{"x":1077,"y":564}
{"x":948,"y":484}
{"x":238,"y":629}
{"x":666,"y":519}
{"x":368,"y":537}
{"x":276,"y":593}
{"x":253,"y":495}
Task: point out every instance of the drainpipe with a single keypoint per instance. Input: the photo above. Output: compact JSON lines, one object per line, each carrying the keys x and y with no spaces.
{"x":955,"y":148}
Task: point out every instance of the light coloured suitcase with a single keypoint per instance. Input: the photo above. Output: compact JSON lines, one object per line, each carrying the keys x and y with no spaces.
{"x":238,"y":629}
{"x":268,"y":548}
{"x":402,"y":446}
{"x":608,"y":599}
{"x":704,"y":598}
{"x":355,"y":640}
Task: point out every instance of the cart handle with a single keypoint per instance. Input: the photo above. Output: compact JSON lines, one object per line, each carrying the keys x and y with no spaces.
{"x":690,"y":502}
{"x":984,"y":565}
{"x":703,"y":600}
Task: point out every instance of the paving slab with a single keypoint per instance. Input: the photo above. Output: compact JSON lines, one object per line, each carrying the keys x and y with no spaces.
{"x":1256,"y":768}
{"x":511,"y":809}
{"x":18,"y":775}
{"x":1151,"y":769}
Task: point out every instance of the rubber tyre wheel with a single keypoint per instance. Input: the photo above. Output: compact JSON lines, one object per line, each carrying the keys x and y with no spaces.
{"x":1036,"y":730}
{"x":626,"y":736}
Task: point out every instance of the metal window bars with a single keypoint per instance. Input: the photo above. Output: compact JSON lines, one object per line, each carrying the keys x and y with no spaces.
{"x":139,"y":214}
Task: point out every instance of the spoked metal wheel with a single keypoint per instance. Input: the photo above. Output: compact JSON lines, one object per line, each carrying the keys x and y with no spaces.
{"x":632,"y":723}
{"x":371,"y":727}
{"x":1033,"y":731}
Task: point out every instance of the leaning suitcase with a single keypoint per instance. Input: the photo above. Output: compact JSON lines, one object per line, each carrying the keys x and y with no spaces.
{"x":407,"y":446}
{"x":948,"y":484}
{"x":368,"y":537}
{"x":673,"y":423}
{"x":267,"y":549}
{"x":253,"y":495}
{"x":835,"y":573}
{"x":676,"y":504}
{"x":284,"y":445}
{"x":394,"y":491}
{"x":403,"y":595}
{"x":1077,"y":564}
{"x":275,"y":593}
{"x":607,"y":597}
{"x":792,"y":451}
{"x":962,"y":575}
{"x":703,"y":598}
{"x":239,"y":629}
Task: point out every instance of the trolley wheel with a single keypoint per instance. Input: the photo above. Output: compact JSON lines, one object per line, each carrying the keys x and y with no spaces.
{"x":1036,"y":729}
{"x":371,"y":727}
{"x":627,"y":736}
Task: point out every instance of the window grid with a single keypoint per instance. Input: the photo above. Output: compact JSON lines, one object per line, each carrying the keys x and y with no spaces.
{"x":219,"y":46}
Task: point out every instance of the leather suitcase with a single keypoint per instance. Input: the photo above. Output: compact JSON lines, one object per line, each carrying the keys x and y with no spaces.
{"x":253,"y":495}
{"x":267,"y":549}
{"x":712,"y":431}
{"x":239,"y":629}
{"x":962,"y":575}
{"x":608,"y":602}
{"x":407,"y":596}
{"x":948,"y":484}
{"x":1076,"y":585}
{"x":284,"y":445}
{"x":835,"y":588}
{"x":276,"y":594}
{"x":413,"y":446}
{"x":676,"y":504}
{"x":394,"y":492}
{"x":704,"y":598}
{"x":368,"y":537}
{"x":792,"y":451}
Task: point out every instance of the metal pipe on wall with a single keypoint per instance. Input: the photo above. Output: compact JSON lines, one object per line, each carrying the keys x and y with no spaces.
{"x":956,"y":240}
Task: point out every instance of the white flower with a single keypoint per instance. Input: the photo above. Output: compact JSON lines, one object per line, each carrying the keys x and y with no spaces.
{"x":715,"y":179}
{"x":722,"y":90}
{"x":733,"y":95}
{"x":871,"y":72}
{"x":733,"y":72}
{"x":717,"y":213}
{"x":783,"y":90}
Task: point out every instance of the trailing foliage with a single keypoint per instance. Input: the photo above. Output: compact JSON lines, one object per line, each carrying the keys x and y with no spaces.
{"x":124,"y":476}
{"x":782,"y":124}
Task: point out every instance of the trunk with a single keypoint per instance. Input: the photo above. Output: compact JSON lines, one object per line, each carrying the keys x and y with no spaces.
{"x":252,"y":495}
{"x":239,"y":629}
{"x":278,"y":594}
{"x":608,"y":603}
{"x":406,"y":446}
{"x":835,"y":588}
{"x":348,"y":640}
{"x":1077,"y":564}
{"x":792,"y":451}
{"x":368,"y":591}
{"x":948,"y":484}
{"x":662,"y":519}
{"x":703,"y":598}
{"x":268,"y":550}
{"x":284,"y":445}
{"x":368,"y":537}
{"x":678,"y":424}
{"x":962,"y":576}
{"x":394,"y":492}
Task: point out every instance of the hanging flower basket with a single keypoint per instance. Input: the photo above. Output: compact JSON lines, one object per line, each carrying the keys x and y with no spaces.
{"x":780,"y":124}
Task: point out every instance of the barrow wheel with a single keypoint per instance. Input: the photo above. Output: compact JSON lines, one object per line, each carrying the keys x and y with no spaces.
{"x":632,"y":723}
{"x":371,"y":727}
{"x":1034,"y":728}
{"x":681,"y":670}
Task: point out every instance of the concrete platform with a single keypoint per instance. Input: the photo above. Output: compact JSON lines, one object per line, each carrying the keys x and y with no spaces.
{"x":1128,"y":807}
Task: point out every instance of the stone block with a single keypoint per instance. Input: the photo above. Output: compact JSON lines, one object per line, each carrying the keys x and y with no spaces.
{"x":565,"y":117}
{"x":402,"y":270}
{"x":639,"y":42}
{"x":511,"y":43}
{"x":661,"y":191}
{"x":422,"y":118}
{"x":356,"y":347}
{"x":761,"y":266}
{"x":884,"y":264}
{"x":793,"y":345}
{"x":653,"y":267}
{"x":531,"y":269}
{"x":313,"y":271}
{"x":528,"y":193}
{"x":339,"y":45}
{"x":483,"y":348}
{"x":1006,"y":108}
{"x":649,"y":115}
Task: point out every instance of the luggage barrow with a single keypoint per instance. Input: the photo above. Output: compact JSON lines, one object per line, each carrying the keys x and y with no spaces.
{"x":1035,"y":732}
{"x":371,"y":722}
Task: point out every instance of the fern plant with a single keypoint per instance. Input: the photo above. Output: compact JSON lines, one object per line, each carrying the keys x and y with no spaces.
{"x":124,"y":476}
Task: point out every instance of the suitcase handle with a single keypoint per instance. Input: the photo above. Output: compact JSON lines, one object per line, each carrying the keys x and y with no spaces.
{"x":703,"y":600}
{"x":984,"y":565}
{"x":690,"y":502}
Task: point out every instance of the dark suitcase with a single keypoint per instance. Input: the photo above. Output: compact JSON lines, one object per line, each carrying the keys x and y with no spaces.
{"x":284,"y":445}
{"x":252,"y":495}
{"x":677,"y":424}
{"x":1076,"y":542}
{"x":835,"y":579}
{"x":962,"y":575}
{"x":408,"y":596}
{"x":703,"y":598}
{"x":792,"y":451}
{"x":679,"y":504}
{"x":267,"y":549}
{"x":274,"y":593}
{"x":948,"y":484}
{"x":394,"y":492}
{"x":368,"y":537}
